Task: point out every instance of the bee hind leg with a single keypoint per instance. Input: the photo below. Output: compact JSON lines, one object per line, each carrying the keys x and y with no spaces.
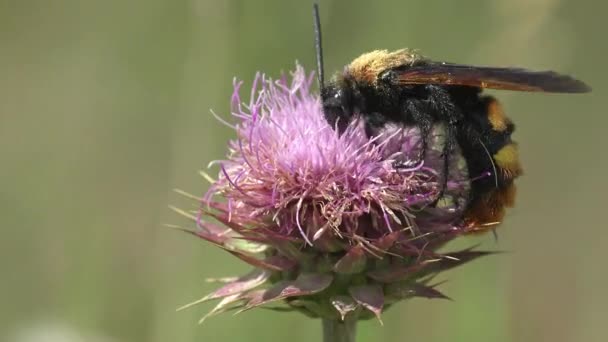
{"x":440,"y":103}
{"x":448,"y":148}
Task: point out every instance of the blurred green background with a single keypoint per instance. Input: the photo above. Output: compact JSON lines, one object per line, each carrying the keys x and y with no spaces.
{"x":104,"y":108}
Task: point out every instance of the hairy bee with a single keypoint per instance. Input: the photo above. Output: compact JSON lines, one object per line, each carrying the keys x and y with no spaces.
{"x":406,"y":88}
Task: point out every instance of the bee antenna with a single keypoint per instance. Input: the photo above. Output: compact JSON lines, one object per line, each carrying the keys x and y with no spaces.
{"x":318,"y":44}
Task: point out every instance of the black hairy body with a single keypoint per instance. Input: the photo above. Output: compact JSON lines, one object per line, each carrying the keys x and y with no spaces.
{"x":463,"y":110}
{"x":404,"y":87}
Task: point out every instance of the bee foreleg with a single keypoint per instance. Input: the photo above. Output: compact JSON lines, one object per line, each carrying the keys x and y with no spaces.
{"x":422,"y":119}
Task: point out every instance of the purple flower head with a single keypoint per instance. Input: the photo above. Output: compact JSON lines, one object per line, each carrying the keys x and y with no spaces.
{"x":291,"y":171}
{"x":305,"y":206}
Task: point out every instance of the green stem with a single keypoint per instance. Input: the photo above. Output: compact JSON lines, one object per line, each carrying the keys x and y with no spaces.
{"x":338,"y":331}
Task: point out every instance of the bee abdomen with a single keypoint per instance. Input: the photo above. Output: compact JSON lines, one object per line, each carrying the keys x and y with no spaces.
{"x":507,"y":163}
{"x":498,"y":158}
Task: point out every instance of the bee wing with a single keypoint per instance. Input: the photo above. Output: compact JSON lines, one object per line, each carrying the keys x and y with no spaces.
{"x":489,"y":77}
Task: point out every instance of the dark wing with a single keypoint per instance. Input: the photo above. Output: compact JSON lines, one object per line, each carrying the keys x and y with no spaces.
{"x":489,"y":77}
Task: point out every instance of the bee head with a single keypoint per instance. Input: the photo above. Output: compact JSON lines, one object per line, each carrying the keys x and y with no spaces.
{"x":338,"y":105}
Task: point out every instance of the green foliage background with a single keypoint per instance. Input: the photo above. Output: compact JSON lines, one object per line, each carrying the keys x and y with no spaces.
{"x":104,"y":108}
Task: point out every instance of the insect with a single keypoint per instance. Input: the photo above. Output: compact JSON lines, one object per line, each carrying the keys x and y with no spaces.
{"x":404,"y":87}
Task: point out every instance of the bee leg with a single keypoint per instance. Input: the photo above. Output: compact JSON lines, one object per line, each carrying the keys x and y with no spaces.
{"x":374,"y":123}
{"x":425,"y":130}
{"x":448,"y":149}
{"x":442,"y":104}
{"x":424,"y":122}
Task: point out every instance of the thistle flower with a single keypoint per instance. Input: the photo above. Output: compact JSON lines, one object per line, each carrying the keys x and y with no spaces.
{"x":336,"y":226}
